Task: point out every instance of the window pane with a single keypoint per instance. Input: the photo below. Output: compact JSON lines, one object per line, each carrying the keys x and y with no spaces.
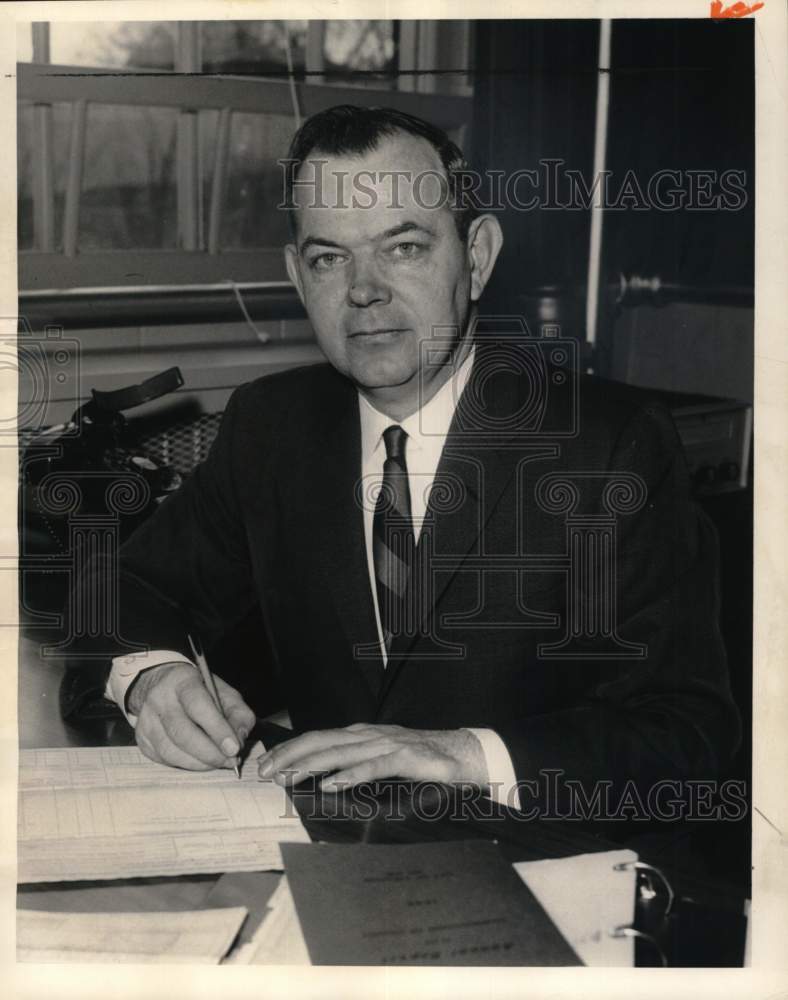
{"x":253,"y":47}
{"x":128,"y":191}
{"x":367,"y":47}
{"x":61,"y":136}
{"x":254,"y":188}
{"x":24,"y":175}
{"x":27,"y":150}
{"x":207,"y":128}
{"x":142,"y":44}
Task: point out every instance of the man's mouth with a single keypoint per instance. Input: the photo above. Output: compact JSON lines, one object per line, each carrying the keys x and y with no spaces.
{"x":382,"y":331}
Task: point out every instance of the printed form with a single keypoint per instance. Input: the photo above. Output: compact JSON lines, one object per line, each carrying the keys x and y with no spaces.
{"x":196,"y":936}
{"x":109,"y":812}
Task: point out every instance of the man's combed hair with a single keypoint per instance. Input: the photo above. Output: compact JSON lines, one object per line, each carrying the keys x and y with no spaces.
{"x":348,"y":130}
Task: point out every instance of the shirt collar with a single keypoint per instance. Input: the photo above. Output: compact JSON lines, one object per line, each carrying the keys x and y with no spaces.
{"x":428,"y":427}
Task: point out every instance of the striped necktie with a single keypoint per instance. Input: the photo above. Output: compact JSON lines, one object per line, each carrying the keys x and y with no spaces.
{"x":392,"y":536}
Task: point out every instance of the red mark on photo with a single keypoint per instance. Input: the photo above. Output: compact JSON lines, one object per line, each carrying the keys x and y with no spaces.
{"x":735,"y":9}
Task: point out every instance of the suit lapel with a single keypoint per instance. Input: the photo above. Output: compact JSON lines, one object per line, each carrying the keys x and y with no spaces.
{"x":335,"y":523}
{"x":474,"y":470}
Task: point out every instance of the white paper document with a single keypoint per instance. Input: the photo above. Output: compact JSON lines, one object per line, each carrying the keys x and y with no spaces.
{"x":109,"y":812}
{"x":279,"y":939}
{"x":194,"y":936}
{"x":586,"y":898}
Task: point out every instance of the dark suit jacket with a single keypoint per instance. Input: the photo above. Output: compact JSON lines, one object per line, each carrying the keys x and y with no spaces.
{"x":537,"y":476}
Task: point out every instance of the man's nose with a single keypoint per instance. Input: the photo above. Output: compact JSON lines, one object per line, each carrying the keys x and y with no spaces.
{"x":367,"y":285}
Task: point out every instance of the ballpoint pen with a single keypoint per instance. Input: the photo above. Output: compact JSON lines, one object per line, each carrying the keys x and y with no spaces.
{"x":210,"y":683}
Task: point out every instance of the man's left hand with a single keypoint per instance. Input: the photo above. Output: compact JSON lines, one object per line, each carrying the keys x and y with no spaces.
{"x":366,"y":752}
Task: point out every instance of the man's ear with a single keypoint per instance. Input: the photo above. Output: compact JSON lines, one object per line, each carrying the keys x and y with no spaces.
{"x":293,"y":266}
{"x":485,"y":239}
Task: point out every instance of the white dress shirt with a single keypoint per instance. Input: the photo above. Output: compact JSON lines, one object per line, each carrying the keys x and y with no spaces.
{"x":427,"y":430}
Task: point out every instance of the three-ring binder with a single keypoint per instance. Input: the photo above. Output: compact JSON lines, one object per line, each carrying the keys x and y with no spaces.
{"x":647,"y":892}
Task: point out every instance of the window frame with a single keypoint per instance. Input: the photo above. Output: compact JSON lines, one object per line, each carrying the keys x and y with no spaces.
{"x":199,"y":258}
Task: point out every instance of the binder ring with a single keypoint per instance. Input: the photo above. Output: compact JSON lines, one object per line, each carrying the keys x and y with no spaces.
{"x":649,"y":870}
{"x":624,"y":930}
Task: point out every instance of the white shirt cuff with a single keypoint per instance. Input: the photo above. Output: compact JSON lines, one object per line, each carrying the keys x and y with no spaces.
{"x":126,"y":668}
{"x":500,"y":770}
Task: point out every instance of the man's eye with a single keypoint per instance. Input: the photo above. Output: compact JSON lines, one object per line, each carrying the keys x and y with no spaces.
{"x":325,"y":261}
{"x":407,"y":250}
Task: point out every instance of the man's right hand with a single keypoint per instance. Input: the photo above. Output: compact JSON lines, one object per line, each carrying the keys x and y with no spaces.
{"x":179,"y":724}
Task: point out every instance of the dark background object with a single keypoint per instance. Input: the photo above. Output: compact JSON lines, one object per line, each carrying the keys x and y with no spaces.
{"x":682,"y":98}
{"x":534,"y":101}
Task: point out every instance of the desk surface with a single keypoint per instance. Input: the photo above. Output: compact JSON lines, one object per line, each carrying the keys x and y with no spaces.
{"x":40,"y":724}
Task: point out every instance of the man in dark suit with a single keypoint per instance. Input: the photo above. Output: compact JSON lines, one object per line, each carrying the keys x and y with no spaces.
{"x":471,"y":565}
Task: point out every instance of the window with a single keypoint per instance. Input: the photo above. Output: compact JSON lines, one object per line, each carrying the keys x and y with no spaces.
{"x":169,"y":175}
{"x":252,"y":47}
{"x":137,"y":44}
{"x":128,"y":196}
{"x":353,"y":47}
